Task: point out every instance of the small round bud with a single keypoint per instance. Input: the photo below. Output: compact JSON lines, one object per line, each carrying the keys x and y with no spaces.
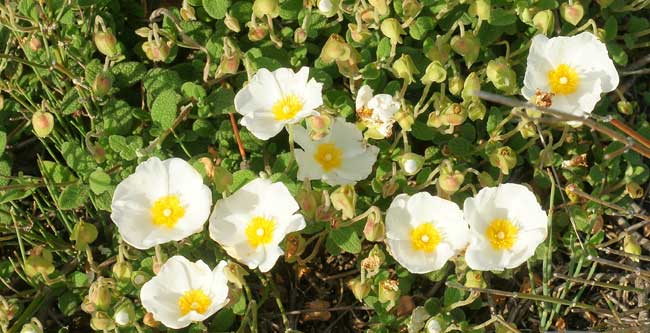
{"x":374,"y":230}
{"x":456,"y":85}
{"x":439,"y":51}
{"x":527,"y":129}
{"x":99,"y":293}
{"x":43,"y":123}
{"x":124,"y":314}
{"x":468,"y":46}
{"x":318,"y":126}
{"x":102,"y":84}
{"x":157,"y":51}
{"x":307,"y":200}
{"x":122,"y":270}
{"x":357,"y":34}
{"x":232,"y":23}
{"x":392,"y":29}
{"x":572,"y":13}
{"x":83,"y":234}
{"x":475,"y":109}
{"x":543,"y":21}
{"x":474,"y":279}
{"x":262,"y":8}
{"x":435,"y":73}
{"x":257,"y":32}
{"x":344,"y":199}
{"x":634,"y":190}
{"x":38,"y":262}
{"x":411,"y":163}
{"x":483,"y":9}
{"x":359,"y":289}
{"x":471,"y":86}
{"x":328,"y":7}
{"x":35,"y":44}
{"x":101,"y":321}
{"x":631,"y":246}
{"x":625,"y":107}
{"x":433,"y":326}
{"x":405,"y":68}
{"x":335,"y":48}
{"x":299,"y":35}
{"x":139,"y":278}
{"x":450,"y":182}
{"x":405,"y":119}
{"x":453,"y":115}
{"x":503,"y":158}
{"x":187,"y":12}
{"x":502,"y":76}
{"x":381,"y":7}
{"x":106,"y":43}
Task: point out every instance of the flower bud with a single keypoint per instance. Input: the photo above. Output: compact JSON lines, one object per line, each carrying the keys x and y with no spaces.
{"x":410,"y":8}
{"x":232,"y":23}
{"x":344,"y":199}
{"x":434,"y":120}
{"x":359,"y":289}
{"x":471,"y":85}
{"x":235,"y":274}
{"x":295,"y":246}
{"x":307,"y":199}
{"x":35,"y":44}
{"x":439,"y":51}
{"x":475,"y":109}
{"x":188,"y":13}
{"x":318,"y":126}
{"x":262,"y":8}
{"x":43,"y":123}
{"x":453,"y":115}
{"x":433,"y":326}
{"x":543,"y":21}
{"x":38,"y":262}
{"x":456,"y":85}
{"x":99,"y":293}
{"x":335,"y":48}
{"x":374,"y":230}
{"x":229,"y":64}
{"x":435,"y":73}
{"x":467,"y":46}
{"x":405,"y":68}
{"x":122,"y":270}
{"x":381,"y":6}
{"x":572,"y":13}
{"x":634,"y":190}
{"x":483,"y":9}
{"x":83,"y":234}
{"x":411,"y":163}
{"x":101,"y":321}
{"x":450,"y":182}
{"x":388,"y":292}
{"x":87,"y":306}
{"x":34,"y":326}
{"x":502,"y":76}
{"x":150,"y":321}
{"x":106,"y":43}
{"x":102,"y":84}
{"x":222,"y":179}
{"x":124,"y":314}
{"x":405,"y":119}
{"x":485,"y":180}
{"x":256,"y":32}
{"x":527,"y":129}
{"x":328,"y":7}
{"x":474,"y":279}
{"x":503,"y":158}
{"x":630,"y":245}
{"x":392,"y":29}
{"x":623,"y":107}
{"x":358,"y":34}
{"x":299,"y":35}
{"x":389,"y":188}
{"x":139,"y":278}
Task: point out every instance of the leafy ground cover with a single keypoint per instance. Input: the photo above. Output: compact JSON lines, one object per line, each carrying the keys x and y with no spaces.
{"x":90,"y":90}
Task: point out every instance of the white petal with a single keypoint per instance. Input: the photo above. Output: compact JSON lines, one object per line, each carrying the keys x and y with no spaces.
{"x":273,"y":252}
{"x":308,"y":168}
{"x":364,"y":94}
{"x":358,"y":167}
{"x":398,"y":219}
{"x":276,"y":200}
{"x":262,"y":125}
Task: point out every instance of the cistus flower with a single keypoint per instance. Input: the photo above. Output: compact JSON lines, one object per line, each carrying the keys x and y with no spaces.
{"x":506,"y":226}
{"x":251,"y":223}
{"x":568,"y":73}
{"x":273,"y":99}
{"x":424,"y":231}
{"x":377,"y":112}
{"x":162,"y":201}
{"x":184,"y":292}
{"x":341,"y":157}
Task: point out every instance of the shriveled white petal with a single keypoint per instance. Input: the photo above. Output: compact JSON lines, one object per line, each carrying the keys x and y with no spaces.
{"x":364,"y":94}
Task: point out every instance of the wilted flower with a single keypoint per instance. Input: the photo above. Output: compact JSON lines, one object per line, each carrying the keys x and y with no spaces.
{"x":274,"y":99}
{"x":377,"y":112}
{"x":339,"y":158}
{"x":423,"y":231}
{"x":571,"y":72}
{"x":162,"y":201}
{"x":506,"y":226}
{"x":185,"y":292}
{"x":251,"y":223}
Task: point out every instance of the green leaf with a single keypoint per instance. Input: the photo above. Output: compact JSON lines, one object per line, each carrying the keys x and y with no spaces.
{"x":501,"y":17}
{"x":73,"y":196}
{"x":3,"y":142}
{"x":193,"y":90}
{"x":99,"y":181}
{"x":220,"y":101}
{"x":240,"y":178}
{"x":56,"y":172}
{"x":164,"y":108}
{"x":347,"y":239}
{"x":418,"y":30}
{"x":126,"y":147}
{"x":77,"y":158}
{"x":216,"y":8}
{"x":460,"y":147}
{"x":68,"y":303}
{"x":128,"y":73}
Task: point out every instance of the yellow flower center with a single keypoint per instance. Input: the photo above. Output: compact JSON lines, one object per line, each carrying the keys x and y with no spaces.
{"x":502,"y":234}
{"x":194,"y":300}
{"x":260,"y":231}
{"x":425,"y":237}
{"x":287,"y":107}
{"x":328,"y":156}
{"x":166,"y":211}
{"x":563,"y":80}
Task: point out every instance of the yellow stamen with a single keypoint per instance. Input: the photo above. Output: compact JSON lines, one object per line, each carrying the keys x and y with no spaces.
{"x":287,"y":107}
{"x":328,"y":156}
{"x":194,"y":300}
{"x":166,"y":211}
{"x":563,"y":80}
{"x":425,"y":237}
{"x":502,"y":234}
{"x":260,"y":231}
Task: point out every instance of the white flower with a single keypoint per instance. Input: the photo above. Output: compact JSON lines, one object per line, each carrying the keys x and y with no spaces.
{"x":568,"y":73}
{"x":251,"y":223}
{"x":273,"y":99}
{"x":506,"y":226}
{"x":184,"y":292}
{"x":423,"y":231}
{"x":162,"y":201}
{"x":339,"y":158}
{"x":376,"y":112}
